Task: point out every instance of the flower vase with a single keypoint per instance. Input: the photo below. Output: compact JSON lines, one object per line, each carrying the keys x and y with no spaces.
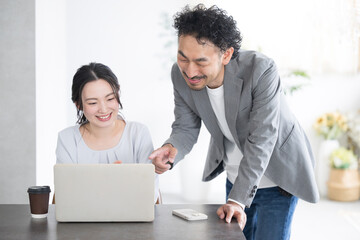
{"x":323,"y":164}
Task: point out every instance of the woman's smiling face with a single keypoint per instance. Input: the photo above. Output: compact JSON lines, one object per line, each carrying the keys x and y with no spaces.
{"x":100,"y":106}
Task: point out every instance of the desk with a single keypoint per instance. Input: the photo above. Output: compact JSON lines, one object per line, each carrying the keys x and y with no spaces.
{"x":17,"y":223}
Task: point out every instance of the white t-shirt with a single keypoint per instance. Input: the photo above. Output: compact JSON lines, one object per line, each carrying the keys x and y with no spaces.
{"x":233,"y":154}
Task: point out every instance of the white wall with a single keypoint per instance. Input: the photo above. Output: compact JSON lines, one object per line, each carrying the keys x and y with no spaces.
{"x":52,"y":87}
{"x":130,"y":39}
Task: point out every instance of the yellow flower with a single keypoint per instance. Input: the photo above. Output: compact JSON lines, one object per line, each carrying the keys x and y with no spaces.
{"x":331,"y":125}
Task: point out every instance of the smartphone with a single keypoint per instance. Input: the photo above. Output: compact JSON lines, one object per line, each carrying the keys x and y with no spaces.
{"x":189,"y":214}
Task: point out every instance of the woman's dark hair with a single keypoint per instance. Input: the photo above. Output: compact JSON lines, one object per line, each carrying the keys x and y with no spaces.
{"x":209,"y":24}
{"x":89,"y":73}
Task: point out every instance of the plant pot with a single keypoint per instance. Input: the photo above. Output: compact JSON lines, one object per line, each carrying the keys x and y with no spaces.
{"x":344,"y":185}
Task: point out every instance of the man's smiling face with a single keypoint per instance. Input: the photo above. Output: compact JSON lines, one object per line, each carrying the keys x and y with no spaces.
{"x":201,"y":64}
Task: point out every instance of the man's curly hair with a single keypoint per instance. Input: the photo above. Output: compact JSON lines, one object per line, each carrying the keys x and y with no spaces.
{"x":210,"y":24}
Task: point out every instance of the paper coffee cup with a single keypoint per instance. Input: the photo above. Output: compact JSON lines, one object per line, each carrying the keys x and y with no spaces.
{"x":39,"y":200}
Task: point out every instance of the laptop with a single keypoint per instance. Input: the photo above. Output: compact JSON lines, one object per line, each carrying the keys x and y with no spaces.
{"x":104,"y":192}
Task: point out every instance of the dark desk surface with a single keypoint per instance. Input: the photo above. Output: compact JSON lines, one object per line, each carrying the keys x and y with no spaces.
{"x":17,"y":223}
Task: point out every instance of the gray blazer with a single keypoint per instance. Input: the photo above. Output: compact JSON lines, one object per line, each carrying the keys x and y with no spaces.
{"x":269,"y":136}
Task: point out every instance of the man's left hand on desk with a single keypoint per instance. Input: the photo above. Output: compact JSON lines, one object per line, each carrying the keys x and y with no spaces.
{"x":230,"y":210}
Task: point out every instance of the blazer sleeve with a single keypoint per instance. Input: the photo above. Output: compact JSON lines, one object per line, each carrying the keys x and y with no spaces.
{"x":263,"y":131}
{"x":187,"y":124}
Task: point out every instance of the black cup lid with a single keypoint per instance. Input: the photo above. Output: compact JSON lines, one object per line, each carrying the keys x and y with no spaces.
{"x":39,"y":189}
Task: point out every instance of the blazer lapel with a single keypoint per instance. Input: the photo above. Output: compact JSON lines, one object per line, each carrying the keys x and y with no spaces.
{"x":232,"y":93}
{"x":207,"y":115}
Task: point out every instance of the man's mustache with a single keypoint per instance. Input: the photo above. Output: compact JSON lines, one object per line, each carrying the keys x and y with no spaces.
{"x":195,"y":77}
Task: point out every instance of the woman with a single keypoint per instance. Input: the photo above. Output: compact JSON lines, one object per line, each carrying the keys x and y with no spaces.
{"x":101,"y":135}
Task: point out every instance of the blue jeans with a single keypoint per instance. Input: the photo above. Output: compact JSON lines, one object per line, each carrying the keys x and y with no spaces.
{"x":270,"y":214}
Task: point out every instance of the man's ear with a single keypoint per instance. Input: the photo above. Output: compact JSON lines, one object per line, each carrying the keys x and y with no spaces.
{"x":227,"y":55}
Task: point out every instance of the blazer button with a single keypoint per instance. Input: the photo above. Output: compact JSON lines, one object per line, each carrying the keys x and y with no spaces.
{"x":253,"y":191}
{"x":217,"y":160}
{"x":255,"y":187}
{"x":251,"y":195}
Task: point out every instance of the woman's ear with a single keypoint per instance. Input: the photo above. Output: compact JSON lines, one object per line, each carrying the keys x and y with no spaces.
{"x":77,"y":106}
{"x":227,"y":55}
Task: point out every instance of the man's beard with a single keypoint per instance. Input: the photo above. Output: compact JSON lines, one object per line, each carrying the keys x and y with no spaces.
{"x":194,"y":78}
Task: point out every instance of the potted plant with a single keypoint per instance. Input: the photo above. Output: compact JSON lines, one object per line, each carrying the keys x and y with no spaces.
{"x":294,"y":81}
{"x":344,"y":183}
{"x":330,"y":126}
{"x":353,"y":132}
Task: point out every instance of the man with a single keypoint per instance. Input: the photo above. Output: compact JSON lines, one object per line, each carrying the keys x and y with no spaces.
{"x":254,"y":136}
